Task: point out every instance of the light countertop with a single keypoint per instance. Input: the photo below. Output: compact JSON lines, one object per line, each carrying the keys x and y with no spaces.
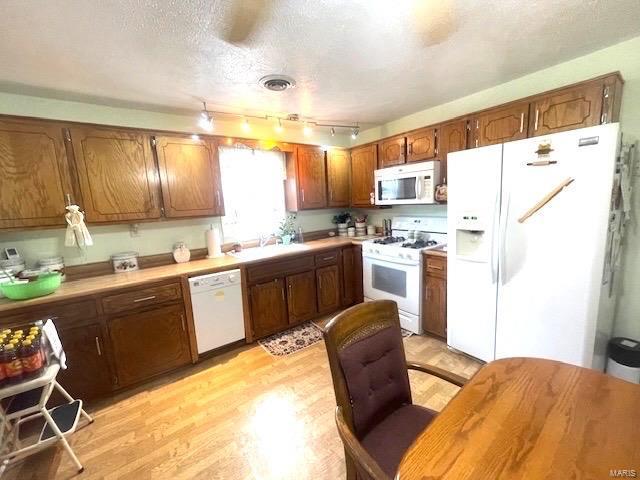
{"x":103,"y":283}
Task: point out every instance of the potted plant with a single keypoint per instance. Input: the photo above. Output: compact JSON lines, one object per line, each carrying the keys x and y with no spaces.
{"x":287,"y":230}
{"x":342,"y":220}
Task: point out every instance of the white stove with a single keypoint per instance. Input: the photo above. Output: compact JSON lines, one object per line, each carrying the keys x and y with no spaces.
{"x":392,"y":266}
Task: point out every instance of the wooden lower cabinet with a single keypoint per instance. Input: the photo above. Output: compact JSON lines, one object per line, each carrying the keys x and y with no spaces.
{"x":328,"y":281}
{"x":87,"y":375}
{"x":149,"y":342}
{"x":268,"y":307}
{"x":352,"y":288}
{"x":301,"y":297}
{"x":434,"y":296}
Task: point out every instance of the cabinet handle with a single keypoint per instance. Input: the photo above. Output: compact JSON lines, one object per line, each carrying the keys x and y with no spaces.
{"x":521,"y":122}
{"x":604,"y":118}
{"x":218,"y":197}
{"x":535,"y":124}
{"x":328,"y":258}
{"x":282,"y":292}
{"x":476,"y":142}
{"x":410,"y":148}
{"x":144,"y":299}
{"x":435,"y":267}
{"x":303,"y":195}
{"x":184,"y":327}
{"x":98,"y":349}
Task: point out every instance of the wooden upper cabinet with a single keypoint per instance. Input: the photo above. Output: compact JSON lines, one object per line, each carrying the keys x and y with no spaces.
{"x":392,"y":151}
{"x":34,"y":174}
{"x":338,"y":177}
{"x":452,"y":137}
{"x":364,"y":162}
{"x":575,"y":107}
{"x":117,"y":173}
{"x":500,"y":125}
{"x":312,"y":177}
{"x":421,"y":145}
{"x":190,"y":177}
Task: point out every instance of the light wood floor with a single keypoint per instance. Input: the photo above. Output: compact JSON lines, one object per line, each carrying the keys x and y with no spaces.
{"x":242,"y":415}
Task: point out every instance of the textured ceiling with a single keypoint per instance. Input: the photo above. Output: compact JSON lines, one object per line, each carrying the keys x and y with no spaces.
{"x":365,"y":61}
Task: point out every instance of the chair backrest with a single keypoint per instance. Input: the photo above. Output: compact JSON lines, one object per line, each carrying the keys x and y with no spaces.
{"x":368,"y":364}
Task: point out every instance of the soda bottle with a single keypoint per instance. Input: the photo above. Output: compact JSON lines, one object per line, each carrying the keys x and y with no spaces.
{"x":11,"y":364}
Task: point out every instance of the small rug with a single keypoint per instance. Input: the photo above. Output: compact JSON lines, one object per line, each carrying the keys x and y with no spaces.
{"x":292,"y":340}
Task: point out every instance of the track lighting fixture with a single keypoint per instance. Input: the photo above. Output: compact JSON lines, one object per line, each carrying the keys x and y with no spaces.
{"x":355,"y":132}
{"x":278,"y":127}
{"x":307,"y":129}
{"x":206,"y":118}
{"x":333,"y":132}
{"x":245,"y":125}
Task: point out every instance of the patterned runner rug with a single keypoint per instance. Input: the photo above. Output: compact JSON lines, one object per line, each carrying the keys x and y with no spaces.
{"x":292,"y":340}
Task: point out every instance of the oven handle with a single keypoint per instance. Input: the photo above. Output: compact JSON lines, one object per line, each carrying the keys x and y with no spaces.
{"x":384,"y":260}
{"x":418,"y":188}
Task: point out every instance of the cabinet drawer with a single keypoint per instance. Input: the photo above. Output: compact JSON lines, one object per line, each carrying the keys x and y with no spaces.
{"x":140,"y":298}
{"x":62,"y":314}
{"x":327,"y":258}
{"x":436,"y":265}
{"x":270,"y":270}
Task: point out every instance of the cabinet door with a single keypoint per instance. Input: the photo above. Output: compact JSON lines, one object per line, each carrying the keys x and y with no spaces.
{"x":500,"y":125}
{"x":568,"y":109}
{"x":117,"y":173}
{"x":312,"y":179}
{"x":149,"y":342}
{"x":364,"y":161}
{"x":351,"y":275}
{"x":301,"y":297}
{"x":421,"y":145}
{"x":434,"y":307}
{"x":452,"y":137}
{"x":190,"y":177}
{"x":34,"y":174}
{"x":328,"y":281}
{"x":268,"y":308}
{"x":392,"y":151}
{"x":87,"y":375}
{"x":338,"y":177}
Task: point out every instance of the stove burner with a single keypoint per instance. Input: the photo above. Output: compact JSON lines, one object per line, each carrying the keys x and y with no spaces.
{"x":420,"y":244}
{"x":389,"y":240}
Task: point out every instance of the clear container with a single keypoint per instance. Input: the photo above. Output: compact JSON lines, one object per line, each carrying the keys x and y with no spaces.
{"x":125,"y":262}
{"x":13,"y":266}
{"x":53,"y":264}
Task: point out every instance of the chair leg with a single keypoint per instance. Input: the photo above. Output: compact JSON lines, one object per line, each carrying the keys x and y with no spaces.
{"x":62,"y":439}
{"x":352,"y":473}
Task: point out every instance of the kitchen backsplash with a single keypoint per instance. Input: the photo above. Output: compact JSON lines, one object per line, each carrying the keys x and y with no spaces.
{"x":151,"y":238}
{"x":159,"y":237}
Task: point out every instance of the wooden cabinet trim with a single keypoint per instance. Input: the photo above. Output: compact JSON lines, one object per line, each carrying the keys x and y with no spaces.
{"x":141,"y":298}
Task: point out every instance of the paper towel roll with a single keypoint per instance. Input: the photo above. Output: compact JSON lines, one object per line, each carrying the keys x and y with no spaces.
{"x":213,"y":241}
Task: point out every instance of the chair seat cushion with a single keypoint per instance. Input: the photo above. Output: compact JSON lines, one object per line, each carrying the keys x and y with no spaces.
{"x":389,"y":440}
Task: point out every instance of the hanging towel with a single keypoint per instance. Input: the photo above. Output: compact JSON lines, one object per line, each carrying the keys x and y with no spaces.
{"x":77,"y":232}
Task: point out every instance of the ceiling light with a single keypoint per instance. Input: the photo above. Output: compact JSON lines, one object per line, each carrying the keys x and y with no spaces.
{"x":354,"y":133}
{"x":195,"y":137}
{"x":278,"y":128}
{"x":206,"y":118}
{"x":245,"y":125}
{"x":333,"y":132}
{"x":307,"y":129}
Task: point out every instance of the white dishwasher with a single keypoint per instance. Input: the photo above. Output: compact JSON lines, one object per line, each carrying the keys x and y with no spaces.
{"x":217,"y":309}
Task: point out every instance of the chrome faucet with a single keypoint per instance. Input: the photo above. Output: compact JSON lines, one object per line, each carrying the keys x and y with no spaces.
{"x":264,"y":239}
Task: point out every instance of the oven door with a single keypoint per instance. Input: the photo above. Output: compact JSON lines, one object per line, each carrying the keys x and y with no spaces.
{"x":390,"y":280}
{"x":409,"y":188}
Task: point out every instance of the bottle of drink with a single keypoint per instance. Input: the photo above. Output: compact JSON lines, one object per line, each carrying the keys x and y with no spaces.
{"x":30,"y":358}
{"x":11,"y":364}
{"x":35,"y":341}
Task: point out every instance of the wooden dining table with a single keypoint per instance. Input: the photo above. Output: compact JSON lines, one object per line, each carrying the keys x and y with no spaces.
{"x":525,"y":418}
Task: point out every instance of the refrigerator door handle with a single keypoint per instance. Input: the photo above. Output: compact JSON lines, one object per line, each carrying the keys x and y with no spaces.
{"x":503,"y":240}
{"x":494,"y":234}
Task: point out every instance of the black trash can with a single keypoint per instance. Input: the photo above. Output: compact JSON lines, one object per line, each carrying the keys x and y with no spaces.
{"x":624,"y":359}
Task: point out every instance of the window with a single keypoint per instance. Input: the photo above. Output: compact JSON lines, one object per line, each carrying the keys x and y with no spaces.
{"x":253,"y":189}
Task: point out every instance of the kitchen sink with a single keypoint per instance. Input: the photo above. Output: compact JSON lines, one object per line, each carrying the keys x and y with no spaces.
{"x":256,"y":253}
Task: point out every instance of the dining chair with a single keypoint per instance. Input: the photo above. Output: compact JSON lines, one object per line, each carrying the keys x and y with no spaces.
{"x":376,"y":418}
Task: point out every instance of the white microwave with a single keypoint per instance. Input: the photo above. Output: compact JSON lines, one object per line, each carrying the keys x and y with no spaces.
{"x":413,"y":183}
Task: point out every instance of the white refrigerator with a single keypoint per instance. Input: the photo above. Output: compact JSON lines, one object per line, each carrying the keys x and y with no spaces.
{"x":528,"y":244}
